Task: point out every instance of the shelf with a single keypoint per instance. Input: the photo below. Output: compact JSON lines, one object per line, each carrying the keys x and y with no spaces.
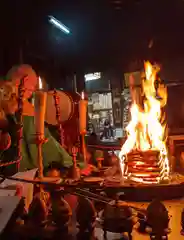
{"x":100,"y":110}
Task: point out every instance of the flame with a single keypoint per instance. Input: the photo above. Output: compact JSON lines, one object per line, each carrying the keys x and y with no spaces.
{"x":82,"y":95}
{"x":146,"y":130}
{"x":40,"y":83}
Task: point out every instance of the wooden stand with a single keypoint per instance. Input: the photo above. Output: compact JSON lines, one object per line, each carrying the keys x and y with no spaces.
{"x":172,"y":149}
{"x":76,"y":171}
{"x":83,"y":145}
{"x":143,"y":165}
{"x":40,"y":140}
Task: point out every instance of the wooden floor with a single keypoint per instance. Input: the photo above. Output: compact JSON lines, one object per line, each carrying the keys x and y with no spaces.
{"x":174,"y":207}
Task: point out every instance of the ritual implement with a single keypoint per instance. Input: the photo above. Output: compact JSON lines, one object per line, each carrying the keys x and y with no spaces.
{"x":76,"y":170}
{"x":82,"y":123}
{"x":40,"y":106}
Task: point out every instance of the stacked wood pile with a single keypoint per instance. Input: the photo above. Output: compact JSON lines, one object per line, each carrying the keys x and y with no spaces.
{"x":143,"y":165}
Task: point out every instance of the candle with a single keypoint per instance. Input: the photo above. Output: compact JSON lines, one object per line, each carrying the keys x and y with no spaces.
{"x":40,"y":107}
{"x":82,"y":114}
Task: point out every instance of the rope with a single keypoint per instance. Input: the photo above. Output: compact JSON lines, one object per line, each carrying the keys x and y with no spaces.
{"x":11,"y":162}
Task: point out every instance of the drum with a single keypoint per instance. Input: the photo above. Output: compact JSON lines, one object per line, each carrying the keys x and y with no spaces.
{"x":67,"y":106}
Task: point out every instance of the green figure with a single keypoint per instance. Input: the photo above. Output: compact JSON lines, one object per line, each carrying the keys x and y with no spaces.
{"x":52,"y":151}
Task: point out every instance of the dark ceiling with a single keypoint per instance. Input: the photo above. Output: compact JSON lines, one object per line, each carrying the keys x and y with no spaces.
{"x":104,"y":33}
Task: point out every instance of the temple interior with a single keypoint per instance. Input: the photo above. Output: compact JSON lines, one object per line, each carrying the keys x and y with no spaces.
{"x":92,"y":121}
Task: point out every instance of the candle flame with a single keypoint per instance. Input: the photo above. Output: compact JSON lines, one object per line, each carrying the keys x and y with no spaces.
{"x":82,"y":95}
{"x":40,"y":83}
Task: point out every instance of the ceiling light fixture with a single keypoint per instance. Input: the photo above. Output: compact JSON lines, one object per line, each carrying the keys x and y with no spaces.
{"x":58,"y":25}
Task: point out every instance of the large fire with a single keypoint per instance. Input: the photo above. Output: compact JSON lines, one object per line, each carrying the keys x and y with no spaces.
{"x":146,"y":131}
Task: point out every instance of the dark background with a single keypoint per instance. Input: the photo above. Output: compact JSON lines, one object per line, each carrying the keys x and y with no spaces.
{"x":105,"y":34}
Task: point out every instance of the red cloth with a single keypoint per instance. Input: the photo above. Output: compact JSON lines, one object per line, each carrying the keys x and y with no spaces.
{"x":87,"y":170}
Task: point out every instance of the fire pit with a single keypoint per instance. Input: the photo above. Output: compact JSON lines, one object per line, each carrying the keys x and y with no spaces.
{"x":144,"y":160}
{"x":144,"y":155}
{"x":143,"y":166}
{"x":144,"y":172}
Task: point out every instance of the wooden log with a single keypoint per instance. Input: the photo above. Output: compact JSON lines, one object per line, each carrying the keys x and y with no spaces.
{"x":134,"y":158}
{"x":149,"y":153}
{"x":148,"y":161}
{"x":145,"y":164}
{"x":145,"y":157}
{"x":131,"y":169}
{"x":145,"y":174}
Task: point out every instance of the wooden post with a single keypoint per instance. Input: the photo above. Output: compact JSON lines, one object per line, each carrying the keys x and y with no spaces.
{"x":84,"y":148}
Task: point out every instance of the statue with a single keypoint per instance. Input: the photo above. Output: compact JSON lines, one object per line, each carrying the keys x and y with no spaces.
{"x":52,"y":151}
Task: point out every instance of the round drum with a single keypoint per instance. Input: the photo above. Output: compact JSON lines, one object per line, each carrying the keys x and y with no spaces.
{"x":66,"y":104}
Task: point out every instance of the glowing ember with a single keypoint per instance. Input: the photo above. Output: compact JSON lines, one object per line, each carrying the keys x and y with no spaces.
{"x":145,"y":145}
{"x":82,"y":95}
